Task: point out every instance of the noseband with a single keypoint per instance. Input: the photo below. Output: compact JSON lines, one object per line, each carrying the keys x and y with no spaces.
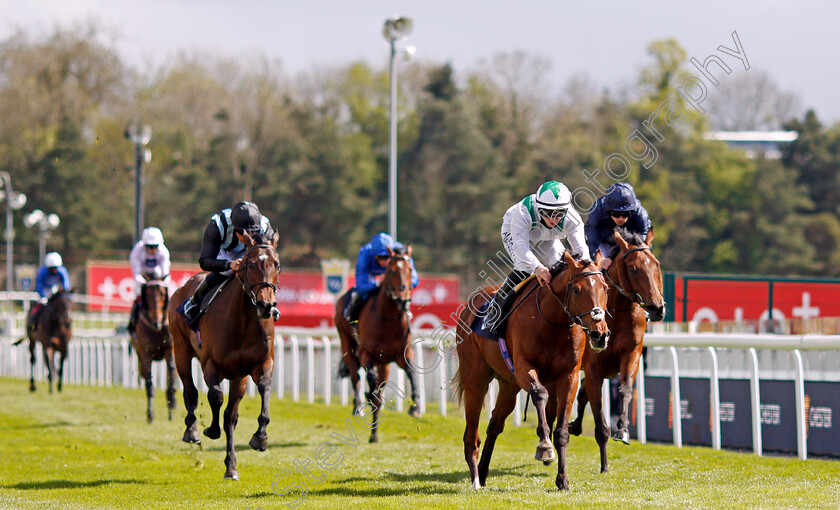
{"x":251,"y":289}
{"x":597,"y":313}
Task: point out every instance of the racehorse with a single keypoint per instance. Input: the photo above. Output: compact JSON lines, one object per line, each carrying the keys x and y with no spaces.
{"x":635,"y":280}
{"x":545,"y":333}
{"x":235,"y":339}
{"x":153,"y":342}
{"x":53,"y":330}
{"x":383,"y":335}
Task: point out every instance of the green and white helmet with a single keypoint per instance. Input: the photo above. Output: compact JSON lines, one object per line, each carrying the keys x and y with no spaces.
{"x":552,"y":199}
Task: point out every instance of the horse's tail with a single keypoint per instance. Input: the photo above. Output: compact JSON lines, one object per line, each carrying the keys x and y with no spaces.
{"x":21,"y":340}
{"x":457,"y":387}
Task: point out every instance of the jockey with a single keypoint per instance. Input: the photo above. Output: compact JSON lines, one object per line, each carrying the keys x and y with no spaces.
{"x":532,"y":230}
{"x":223,"y":248}
{"x":372,"y":262}
{"x":149,"y":259}
{"x":51,"y":276}
{"x":618,"y":208}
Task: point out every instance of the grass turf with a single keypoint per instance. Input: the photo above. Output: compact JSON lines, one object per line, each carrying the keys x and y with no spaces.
{"x":91,"y":448}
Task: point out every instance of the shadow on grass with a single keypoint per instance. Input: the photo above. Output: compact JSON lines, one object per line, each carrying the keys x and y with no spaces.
{"x":67,"y":484}
{"x":218,"y":445}
{"x":376,"y":491}
{"x":42,"y":425}
{"x":454,"y":477}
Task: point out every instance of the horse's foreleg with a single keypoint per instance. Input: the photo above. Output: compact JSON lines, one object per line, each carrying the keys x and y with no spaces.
{"x":183,"y":363}
{"x":237,"y":389}
{"x":526,"y":377}
{"x":593,"y":384}
{"x":505,"y":403}
{"x":413,"y":379}
{"x":566,"y":388}
{"x":61,"y":358}
{"x":259,"y":441}
{"x":629,"y":368}
{"x":215,"y":398}
{"x":576,"y":427}
{"x":551,"y":405}
{"x":376,"y":377}
{"x":144,"y":363}
{"x":170,"y":382}
{"x":49,"y":354}
{"x":32,"y":345}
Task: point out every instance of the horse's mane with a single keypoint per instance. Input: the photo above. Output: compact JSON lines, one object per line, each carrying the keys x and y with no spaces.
{"x":561,"y":264}
{"x":58,"y":295}
{"x":400,"y":250}
{"x":632,"y":238}
{"x":262,"y":237}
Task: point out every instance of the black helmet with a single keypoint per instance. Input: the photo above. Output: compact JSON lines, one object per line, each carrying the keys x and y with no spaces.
{"x":621,"y":197}
{"x":246,"y":216}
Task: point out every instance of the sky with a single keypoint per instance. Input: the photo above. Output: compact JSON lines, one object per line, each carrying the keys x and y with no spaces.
{"x":605,"y":41}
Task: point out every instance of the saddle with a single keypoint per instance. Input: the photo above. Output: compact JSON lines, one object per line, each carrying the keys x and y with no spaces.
{"x":206,"y":300}
{"x":477,"y":325}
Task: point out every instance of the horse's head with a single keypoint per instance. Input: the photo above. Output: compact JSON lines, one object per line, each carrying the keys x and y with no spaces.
{"x":58,"y":308}
{"x":397,"y":279}
{"x":154,"y":300}
{"x":259,"y":271}
{"x":586,"y":298}
{"x":639,"y":274}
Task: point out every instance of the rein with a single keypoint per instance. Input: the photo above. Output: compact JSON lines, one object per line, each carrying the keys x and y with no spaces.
{"x":597,"y":313}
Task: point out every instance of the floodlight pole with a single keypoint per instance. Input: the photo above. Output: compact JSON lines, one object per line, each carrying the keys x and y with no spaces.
{"x":392,"y":158}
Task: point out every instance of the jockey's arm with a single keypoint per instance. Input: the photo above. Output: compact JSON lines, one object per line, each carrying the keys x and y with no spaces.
{"x":210,"y":250}
{"x":592,"y":231}
{"x":518,"y":243}
{"x":415,"y":280}
{"x":365,"y":282}
{"x":574,"y":230}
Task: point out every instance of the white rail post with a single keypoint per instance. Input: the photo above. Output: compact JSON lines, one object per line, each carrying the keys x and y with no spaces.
{"x":714,"y":389}
{"x":124,"y":359}
{"x":345,"y":389}
{"x":295,"y":368}
{"x":420,"y":378}
{"x":676,"y":400}
{"x":641,"y":404}
{"x":401,"y":386}
{"x":755,"y":398}
{"x":799,"y":385}
{"x":517,"y":411}
{"x":279,"y":366}
{"x":109,"y":364}
{"x":605,"y":403}
{"x":443,"y":383}
{"x":328,"y":372}
{"x":310,"y":369}
{"x":492,"y":396}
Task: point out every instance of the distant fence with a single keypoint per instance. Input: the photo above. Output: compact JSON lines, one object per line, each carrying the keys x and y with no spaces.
{"x":760,"y":392}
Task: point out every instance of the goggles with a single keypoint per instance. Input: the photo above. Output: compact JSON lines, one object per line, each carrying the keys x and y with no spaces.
{"x":553,"y":214}
{"x":620,"y":214}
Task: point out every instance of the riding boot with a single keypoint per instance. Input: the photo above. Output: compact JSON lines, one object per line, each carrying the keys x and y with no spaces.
{"x":132,"y":319}
{"x":32,"y":325}
{"x":193,"y":305}
{"x":497,"y":308}
{"x":351,"y":309}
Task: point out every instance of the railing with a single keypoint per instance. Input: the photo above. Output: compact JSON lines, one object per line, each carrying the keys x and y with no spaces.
{"x":306,"y":362}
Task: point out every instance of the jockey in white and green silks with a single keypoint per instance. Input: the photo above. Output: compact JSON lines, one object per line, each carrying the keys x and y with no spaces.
{"x":532,"y":232}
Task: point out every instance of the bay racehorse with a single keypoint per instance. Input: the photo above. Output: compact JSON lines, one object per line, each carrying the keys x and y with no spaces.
{"x":635,"y":280}
{"x":381,"y":338}
{"x":52,"y":329}
{"x":235,"y":340}
{"x":152,"y":341}
{"x":545,"y":333}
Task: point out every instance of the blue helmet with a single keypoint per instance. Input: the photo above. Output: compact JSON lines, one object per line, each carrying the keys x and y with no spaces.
{"x":381,"y":244}
{"x":621,"y":197}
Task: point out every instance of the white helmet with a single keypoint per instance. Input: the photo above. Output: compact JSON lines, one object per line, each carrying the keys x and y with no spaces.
{"x":152,"y":236}
{"x":554,"y":198}
{"x":53,"y":259}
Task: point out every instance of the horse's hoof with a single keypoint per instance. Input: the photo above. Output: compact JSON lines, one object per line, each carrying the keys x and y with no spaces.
{"x":259,"y":443}
{"x":562,"y":482}
{"x":232,"y":474}
{"x":373,"y":439}
{"x":170,"y":415}
{"x":475,"y":484}
{"x":545,"y":453}
{"x":414,"y":411}
{"x":150,"y":419}
{"x":548,"y":462}
{"x":213,"y":432}
{"x":575,"y":428}
{"x":191,"y":436}
{"x":623,"y":436}
{"x":32,"y":389}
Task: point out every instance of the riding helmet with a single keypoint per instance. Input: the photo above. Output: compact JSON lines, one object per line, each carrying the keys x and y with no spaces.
{"x":246,"y":216}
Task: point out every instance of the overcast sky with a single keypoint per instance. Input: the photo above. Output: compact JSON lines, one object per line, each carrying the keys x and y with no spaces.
{"x":794,"y":42}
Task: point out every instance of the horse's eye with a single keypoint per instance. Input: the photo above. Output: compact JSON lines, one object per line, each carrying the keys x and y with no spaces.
{"x":577,"y":291}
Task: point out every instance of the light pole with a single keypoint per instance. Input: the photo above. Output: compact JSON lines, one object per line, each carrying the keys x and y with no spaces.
{"x":139,"y":135}
{"x":14,"y":201}
{"x":45,"y":223}
{"x":395,"y":29}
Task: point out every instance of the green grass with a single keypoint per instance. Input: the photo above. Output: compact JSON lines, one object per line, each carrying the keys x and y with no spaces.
{"x":91,"y":448}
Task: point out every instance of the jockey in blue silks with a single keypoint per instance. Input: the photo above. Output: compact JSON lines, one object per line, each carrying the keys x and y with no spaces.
{"x":372,"y":262}
{"x":618,"y":208}
{"x":51,"y":277}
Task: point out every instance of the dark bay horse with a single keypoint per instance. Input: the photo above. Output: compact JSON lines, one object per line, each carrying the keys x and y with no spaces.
{"x":236,"y":340}
{"x":383,"y":335}
{"x":545,"y":332}
{"x":53,"y":330}
{"x":635,"y":280}
{"x":153,"y":342}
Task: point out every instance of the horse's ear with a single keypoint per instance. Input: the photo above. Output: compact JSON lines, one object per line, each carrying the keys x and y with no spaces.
{"x":649,"y":238}
{"x":391,"y":252}
{"x":275,"y":238}
{"x":408,"y":250}
{"x":599,"y":257}
{"x":246,"y":238}
{"x":621,"y":242}
{"x":570,"y":261}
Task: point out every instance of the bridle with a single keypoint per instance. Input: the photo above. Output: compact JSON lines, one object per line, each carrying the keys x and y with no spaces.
{"x":597,"y":313}
{"x":251,"y":289}
{"x":635,"y":298}
{"x":391,"y":291}
{"x":143,"y":317}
